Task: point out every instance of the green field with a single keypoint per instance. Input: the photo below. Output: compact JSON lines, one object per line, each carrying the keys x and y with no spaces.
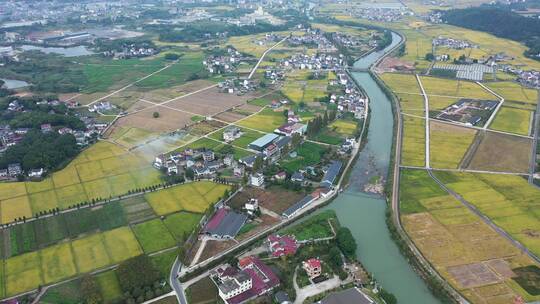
{"x":309,"y":154}
{"x":267,"y":121}
{"x":317,"y":226}
{"x":109,"y":286}
{"x":413,"y":149}
{"x":512,"y":120}
{"x":448,"y":144}
{"x":193,"y":197}
{"x":153,"y":236}
{"x":104,"y":74}
{"x":181,"y":224}
{"x":514,"y":91}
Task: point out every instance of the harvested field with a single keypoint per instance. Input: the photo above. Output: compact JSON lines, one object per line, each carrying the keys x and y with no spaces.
{"x":229,"y":116}
{"x":507,"y":200}
{"x":448,"y":144}
{"x":473,"y":275}
{"x":209,"y":102}
{"x":168,"y":120}
{"x":463,"y":249}
{"x":275,"y":198}
{"x":494,"y":150}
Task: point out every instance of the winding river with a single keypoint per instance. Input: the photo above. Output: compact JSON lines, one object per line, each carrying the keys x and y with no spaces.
{"x":364,"y":213}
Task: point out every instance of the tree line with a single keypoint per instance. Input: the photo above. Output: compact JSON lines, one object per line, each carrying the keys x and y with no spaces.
{"x":500,"y":22}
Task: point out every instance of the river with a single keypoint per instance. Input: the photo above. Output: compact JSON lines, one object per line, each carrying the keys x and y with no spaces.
{"x":364,"y":214}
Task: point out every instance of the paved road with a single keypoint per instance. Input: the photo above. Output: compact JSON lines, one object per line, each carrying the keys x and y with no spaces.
{"x":426,"y":118}
{"x":175,"y":284}
{"x":536,"y":133}
{"x":262,"y":57}
{"x":466,"y":170}
{"x":501,"y":101}
{"x":314,"y":289}
{"x":484,"y":218}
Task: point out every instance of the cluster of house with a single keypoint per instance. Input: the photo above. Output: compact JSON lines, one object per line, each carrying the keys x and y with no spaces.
{"x":529,"y":78}
{"x":221,"y":64}
{"x":252,"y":278}
{"x":312,"y":37}
{"x":259,"y":15}
{"x":203,"y":162}
{"x":452,"y":43}
{"x":273,"y":74}
{"x":238,"y":86}
{"x":131,"y":51}
{"x":351,"y":99}
{"x":350,"y":41}
{"x":434,"y":17}
{"x":102,"y":107}
{"x":381,"y":14}
{"x":317,"y":61}
{"x":269,"y":38}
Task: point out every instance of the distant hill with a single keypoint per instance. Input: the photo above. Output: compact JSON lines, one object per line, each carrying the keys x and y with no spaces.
{"x":500,"y":22}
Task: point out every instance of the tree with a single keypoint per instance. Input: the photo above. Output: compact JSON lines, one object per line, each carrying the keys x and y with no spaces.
{"x":257,"y":164}
{"x":172,"y":56}
{"x":346,"y":242}
{"x":387,"y":297}
{"x":137,"y":272}
{"x":90,"y":290}
{"x":335,"y":257}
{"x":430,"y":57}
{"x":155,"y":114}
{"x":190,"y":174}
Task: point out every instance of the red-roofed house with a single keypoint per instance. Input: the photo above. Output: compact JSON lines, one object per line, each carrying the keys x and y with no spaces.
{"x":281,"y":245}
{"x":312,"y":267}
{"x":257,"y":276}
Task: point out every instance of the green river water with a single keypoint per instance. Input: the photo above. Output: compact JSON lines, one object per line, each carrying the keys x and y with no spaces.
{"x":364,"y":213}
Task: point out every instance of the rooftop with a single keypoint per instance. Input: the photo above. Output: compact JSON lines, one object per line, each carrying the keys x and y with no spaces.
{"x":264,"y":140}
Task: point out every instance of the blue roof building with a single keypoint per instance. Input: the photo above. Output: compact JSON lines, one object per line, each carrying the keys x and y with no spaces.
{"x":331,"y":173}
{"x":260,"y":143}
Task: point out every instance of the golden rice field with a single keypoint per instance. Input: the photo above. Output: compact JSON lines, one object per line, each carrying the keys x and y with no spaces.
{"x":413,"y":149}
{"x":101,"y":171}
{"x":510,"y":90}
{"x":68,"y":259}
{"x":455,"y":88}
{"x":191,"y":197}
{"x":448,"y":144}
{"x":508,"y":200}
{"x":453,"y":238}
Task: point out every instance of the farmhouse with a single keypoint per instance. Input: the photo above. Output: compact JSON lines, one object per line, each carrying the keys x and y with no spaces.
{"x":252,"y":279}
{"x":312,"y":267}
{"x":289,"y":129}
{"x":231,"y":134}
{"x":256,"y":179}
{"x":301,"y":204}
{"x":281,"y":245}
{"x":224,"y":224}
{"x":261,"y":143}
{"x":331,"y":173}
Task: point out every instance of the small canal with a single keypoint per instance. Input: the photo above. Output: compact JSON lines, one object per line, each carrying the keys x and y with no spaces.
{"x":363,"y":213}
